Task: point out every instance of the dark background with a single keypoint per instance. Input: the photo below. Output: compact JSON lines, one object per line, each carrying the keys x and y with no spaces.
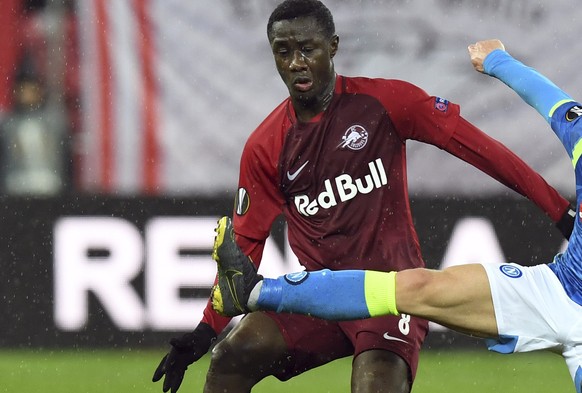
{"x":26,"y":256}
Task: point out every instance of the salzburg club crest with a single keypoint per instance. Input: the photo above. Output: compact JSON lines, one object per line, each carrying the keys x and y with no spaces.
{"x":354,"y":138}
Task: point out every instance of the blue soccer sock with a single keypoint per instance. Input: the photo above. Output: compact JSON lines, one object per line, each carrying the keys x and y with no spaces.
{"x":335,"y":295}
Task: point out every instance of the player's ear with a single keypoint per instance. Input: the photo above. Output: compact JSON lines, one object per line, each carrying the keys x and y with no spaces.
{"x":334,"y":45}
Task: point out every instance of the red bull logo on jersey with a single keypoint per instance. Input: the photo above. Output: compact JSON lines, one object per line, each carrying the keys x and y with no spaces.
{"x":343,"y":188}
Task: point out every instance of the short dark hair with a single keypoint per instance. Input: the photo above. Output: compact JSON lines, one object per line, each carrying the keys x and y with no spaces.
{"x":291,"y":9}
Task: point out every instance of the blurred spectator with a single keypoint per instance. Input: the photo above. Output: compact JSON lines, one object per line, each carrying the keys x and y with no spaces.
{"x":39,"y":63}
{"x":34,"y":141}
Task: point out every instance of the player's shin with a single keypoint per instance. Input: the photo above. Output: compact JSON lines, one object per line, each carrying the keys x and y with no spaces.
{"x":335,"y":295}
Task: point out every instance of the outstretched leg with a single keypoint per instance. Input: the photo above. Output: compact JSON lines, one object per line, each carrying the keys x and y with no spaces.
{"x":458,"y":297}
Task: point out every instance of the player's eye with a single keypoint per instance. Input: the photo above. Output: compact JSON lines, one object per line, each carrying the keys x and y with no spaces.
{"x":282,"y":52}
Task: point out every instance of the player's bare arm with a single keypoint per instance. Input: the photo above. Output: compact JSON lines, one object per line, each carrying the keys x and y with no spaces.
{"x":479,"y":51}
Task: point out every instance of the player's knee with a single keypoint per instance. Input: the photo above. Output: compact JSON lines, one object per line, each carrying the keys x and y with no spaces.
{"x":223,"y":357}
{"x":240,"y":351}
{"x":232,"y":368}
{"x":417,"y":285}
{"x":416,"y":281}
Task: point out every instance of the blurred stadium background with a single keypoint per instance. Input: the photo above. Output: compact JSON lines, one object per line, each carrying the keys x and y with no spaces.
{"x":147,"y":105}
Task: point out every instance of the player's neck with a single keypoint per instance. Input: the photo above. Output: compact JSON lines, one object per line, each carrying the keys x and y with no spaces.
{"x":306,"y":111}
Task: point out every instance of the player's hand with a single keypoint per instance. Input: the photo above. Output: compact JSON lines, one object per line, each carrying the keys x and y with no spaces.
{"x":185,"y":351}
{"x":479,"y":51}
{"x":566,"y":223}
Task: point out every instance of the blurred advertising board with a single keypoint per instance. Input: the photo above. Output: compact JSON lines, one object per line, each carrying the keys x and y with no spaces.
{"x":96,"y":271}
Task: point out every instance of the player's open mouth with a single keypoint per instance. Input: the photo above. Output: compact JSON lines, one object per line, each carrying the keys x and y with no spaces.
{"x":302,"y":84}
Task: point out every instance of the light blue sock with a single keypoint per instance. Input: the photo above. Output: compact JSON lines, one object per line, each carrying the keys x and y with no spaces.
{"x":334,"y":295}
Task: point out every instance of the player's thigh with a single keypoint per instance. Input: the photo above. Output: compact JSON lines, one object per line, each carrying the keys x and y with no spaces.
{"x":458,"y":297}
{"x":383,"y":337}
{"x":386,"y":352}
{"x":379,"y":371}
{"x":311,"y":342}
{"x":255,"y":342}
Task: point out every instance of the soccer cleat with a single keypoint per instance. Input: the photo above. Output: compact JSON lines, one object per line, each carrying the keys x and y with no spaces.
{"x":237,"y":274}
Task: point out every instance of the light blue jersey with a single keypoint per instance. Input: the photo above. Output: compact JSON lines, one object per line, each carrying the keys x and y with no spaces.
{"x":563,"y":114}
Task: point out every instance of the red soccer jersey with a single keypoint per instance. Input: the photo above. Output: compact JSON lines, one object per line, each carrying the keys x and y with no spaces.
{"x":340,"y":179}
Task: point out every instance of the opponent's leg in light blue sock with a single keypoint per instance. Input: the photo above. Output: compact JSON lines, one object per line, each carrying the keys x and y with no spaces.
{"x":335,"y":295}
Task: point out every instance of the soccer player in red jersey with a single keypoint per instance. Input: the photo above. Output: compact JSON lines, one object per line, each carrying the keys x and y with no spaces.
{"x":331,"y":159}
{"x":517,"y":308}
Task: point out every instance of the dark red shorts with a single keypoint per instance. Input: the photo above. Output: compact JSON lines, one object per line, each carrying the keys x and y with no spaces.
{"x":314,"y":342}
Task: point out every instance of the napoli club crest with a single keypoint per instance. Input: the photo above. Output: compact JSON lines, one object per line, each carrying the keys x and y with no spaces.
{"x":511,"y":271}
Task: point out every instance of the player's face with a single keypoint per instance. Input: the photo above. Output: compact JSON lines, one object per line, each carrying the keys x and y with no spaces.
{"x":304,"y":59}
